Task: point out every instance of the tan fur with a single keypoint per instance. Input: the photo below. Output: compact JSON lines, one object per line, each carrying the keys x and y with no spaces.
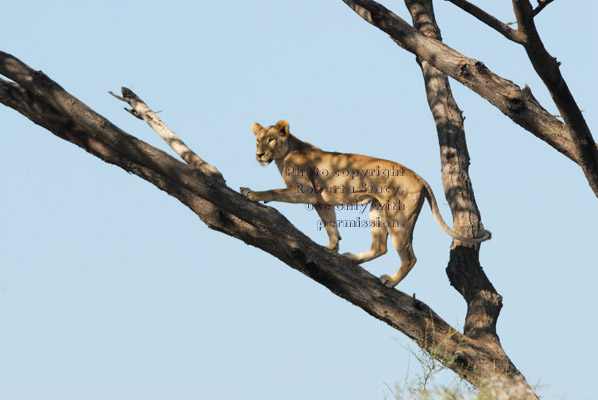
{"x":326,"y":179}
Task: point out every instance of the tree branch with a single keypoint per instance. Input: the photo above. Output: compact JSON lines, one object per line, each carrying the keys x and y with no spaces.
{"x":464,"y":269}
{"x":47,"y":104}
{"x":141,"y":111}
{"x":547,"y":68}
{"x":541,"y":5}
{"x":488,"y":19}
{"x":473,"y":286}
{"x":518,"y":104}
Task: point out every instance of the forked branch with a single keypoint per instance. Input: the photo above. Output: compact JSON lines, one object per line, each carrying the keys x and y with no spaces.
{"x":547,"y":68}
{"x":573,"y":138}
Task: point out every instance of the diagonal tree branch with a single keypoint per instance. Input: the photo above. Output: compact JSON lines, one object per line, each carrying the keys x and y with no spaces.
{"x":547,"y":68}
{"x":518,"y":104}
{"x":44,"y":102}
{"x":488,"y":19}
{"x":141,"y":111}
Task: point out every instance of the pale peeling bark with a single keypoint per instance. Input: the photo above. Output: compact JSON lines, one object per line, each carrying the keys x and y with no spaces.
{"x":201,"y":188}
{"x":140,"y":110}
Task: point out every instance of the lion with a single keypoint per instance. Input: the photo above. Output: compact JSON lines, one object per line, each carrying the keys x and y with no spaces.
{"x":328,"y":179}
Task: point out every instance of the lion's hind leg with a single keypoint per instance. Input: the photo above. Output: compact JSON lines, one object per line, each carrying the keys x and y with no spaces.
{"x":402,"y":239}
{"x":379,"y":236}
{"x":328,"y":216}
{"x":401,"y":234}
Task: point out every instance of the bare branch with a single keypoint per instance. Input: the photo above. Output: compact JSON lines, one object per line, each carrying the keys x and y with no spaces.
{"x":541,"y":5}
{"x":547,"y":68}
{"x":516,"y":103}
{"x":464,"y":270}
{"x":140,"y":110}
{"x":44,"y":102}
{"x":488,"y":19}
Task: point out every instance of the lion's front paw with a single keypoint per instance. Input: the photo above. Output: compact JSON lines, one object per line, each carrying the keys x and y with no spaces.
{"x":388,"y":281}
{"x":248,"y":193}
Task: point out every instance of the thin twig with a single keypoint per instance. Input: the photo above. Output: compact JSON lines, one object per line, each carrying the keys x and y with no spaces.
{"x":488,"y":19}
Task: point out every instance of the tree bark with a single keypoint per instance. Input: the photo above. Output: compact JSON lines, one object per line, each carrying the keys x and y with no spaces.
{"x":464,"y":270}
{"x":203,"y":189}
{"x":547,"y":68}
{"x":458,"y":188}
{"x":516,"y":103}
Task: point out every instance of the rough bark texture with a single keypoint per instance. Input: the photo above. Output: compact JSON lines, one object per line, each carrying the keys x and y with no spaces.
{"x":203,"y":189}
{"x":516,"y":103}
{"x":476,"y":354}
{"x":464,"y":270}
{"x":547,"y":68}
{"x":488,"y":19}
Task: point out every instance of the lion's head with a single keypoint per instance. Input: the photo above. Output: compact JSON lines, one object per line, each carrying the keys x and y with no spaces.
{"x":272,"y":142}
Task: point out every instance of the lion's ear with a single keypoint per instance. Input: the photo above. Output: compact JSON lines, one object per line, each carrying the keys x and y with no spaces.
{"x":283,"y":127}
{"x":256,"y":128}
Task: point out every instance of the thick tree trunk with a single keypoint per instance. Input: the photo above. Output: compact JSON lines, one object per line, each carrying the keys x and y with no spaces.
{"x":464,"y":270}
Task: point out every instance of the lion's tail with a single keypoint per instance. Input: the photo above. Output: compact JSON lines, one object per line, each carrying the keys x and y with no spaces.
{"x":436,"y":212}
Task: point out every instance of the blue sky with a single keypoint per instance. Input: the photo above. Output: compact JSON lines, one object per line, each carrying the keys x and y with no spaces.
{"x":110,"y":289}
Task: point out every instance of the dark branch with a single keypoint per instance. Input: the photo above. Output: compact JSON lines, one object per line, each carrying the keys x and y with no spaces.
{"x":44,"y":102}
{"x":488,"y":19}
{"x":547,"y":68}
{"x":541,"y":5}
{"x":516,"y":103}
{"x":464,"y":270}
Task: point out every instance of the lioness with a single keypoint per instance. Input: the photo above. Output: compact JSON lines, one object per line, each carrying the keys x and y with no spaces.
{"x":325,"y":180}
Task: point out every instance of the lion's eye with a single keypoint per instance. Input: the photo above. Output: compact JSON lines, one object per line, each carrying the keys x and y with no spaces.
{"x":271,"y":140}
